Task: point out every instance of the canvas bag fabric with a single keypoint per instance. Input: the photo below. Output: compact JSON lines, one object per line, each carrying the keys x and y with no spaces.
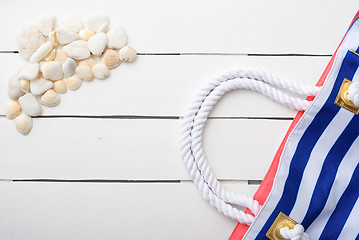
{"x":314,"y":177}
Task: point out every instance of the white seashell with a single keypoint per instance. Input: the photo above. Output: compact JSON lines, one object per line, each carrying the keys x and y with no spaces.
{"x":77,"y":50}
{"x":29,"y":40}
{"x":25,"y":85}
{"x":53,"y":38}
{"x":117,"y":37}
{"x":23,"y":124}
{"x":41,"y":52}
{"x":72,"y":23}
{"x":12,"y":109}
{"x":60,"y":87}
{"x":100,"y":71}
{"x":95,"y":22}
{"x":50,"y":98}
{"x":46,"y":25}
{"x":14,"y":87}
{"x":65,"y":36}
{"x":29,"y":71}
{"x":68,"y":67}
{"x":104,"y":28}
{"x":86,"y":34}
{"x":127,"y":54}
{"x":111,"y":58}
{"x":97,"y":43}
{"x":30,"y":105}
{"x":91,"y":61}
{"x":40,"y":85}
{"x":74,"y":83}
{"x":50,"y":56}
{"x":60,"y":56}
{"x":52,"y":70}
{"x":84,"y":72}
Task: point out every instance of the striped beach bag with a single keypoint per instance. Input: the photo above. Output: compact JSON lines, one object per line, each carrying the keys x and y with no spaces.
{"x":311,"y":190}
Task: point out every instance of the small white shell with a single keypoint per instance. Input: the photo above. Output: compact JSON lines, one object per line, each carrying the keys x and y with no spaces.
{"x":53,"y":38}
{"x":50,"y":56}
{"x":12,"y":109}
{"x":100,"y":71}
{"x":50,"y":98}
{"x":60,"y":56}
{"x":25,"y":85}
{"x":65,"y":36}
{"x":104,"y":28}
{"x":72,"y":23}
{"x":117,"y":37}
{"x":84,"y":72}
{"x":30,"y":105}
{"x":91,"y":61}
{"x":60,"y":87}
{"x":41,"y":52}
{"x":29,"y":40}
{"x":46,"y":25}
{"x":97,"y":43}
{"x":52,"y":70}
{"x":111,"y":58}
{"x":23,"y":124}
{"x":95,"y":22}
{"x":77,"y":50}
{"x":40,"y":85}
{"x":68,"y":67}
{"x":74,"y":83}
{"x":86,"y":34}
{"x":29,"y":71}
{"x":14,"y":87}
{"x":127,"y":54}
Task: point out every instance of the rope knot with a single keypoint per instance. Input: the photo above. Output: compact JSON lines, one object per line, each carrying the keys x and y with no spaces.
{"x":297,"y":233}
{"x":353,"y":93}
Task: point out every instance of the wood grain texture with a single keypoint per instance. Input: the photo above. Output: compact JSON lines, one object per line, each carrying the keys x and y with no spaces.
{"x":76,"y":148}
{"x":166,"y":85}
{"x":95,"y":211}
{"x":230,"y":26}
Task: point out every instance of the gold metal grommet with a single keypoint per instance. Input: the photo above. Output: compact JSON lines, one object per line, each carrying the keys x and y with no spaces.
{"x":281,"y":221}
{"x":342,"y":98}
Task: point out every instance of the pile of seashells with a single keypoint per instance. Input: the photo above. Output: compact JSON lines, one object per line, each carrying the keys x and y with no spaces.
{"x":62,"y":55}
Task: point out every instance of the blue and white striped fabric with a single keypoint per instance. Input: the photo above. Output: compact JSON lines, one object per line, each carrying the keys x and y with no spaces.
{"x":317,"y":182}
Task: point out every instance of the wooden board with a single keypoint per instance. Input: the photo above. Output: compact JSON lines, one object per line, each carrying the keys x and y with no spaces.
{"x":95,"y":211}
{"x":232,"y":26}
{"x":77,"y":148}
{"x":166,"y":85}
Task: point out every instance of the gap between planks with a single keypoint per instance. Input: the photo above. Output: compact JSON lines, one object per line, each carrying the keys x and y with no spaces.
{"x":225,"y":54}
{"x":249,"y":182}
{"x":154,"y":117}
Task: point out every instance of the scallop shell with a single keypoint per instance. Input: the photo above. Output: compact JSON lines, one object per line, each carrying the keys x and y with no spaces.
{"x":127,"y":54}
{"x":86,"y":34}
{"x":111,"y":58}
{"x":25,"y":85}
{"x":60,"y":56}
{"x":84,"y":72}
{"x":12,"y":109}
{"x":60,"y":87}
{"x":74,"y":82}
{"x":100,"y":71}
{"x":50,"y":98}
{"x":23,"y":124}
{"x":91,"y":61}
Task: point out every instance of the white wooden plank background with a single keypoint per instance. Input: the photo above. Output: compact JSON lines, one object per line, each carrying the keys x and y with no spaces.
{"x":105,"y":163}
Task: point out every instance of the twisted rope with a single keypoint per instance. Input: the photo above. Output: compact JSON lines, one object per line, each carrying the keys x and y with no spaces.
{"x":297,"y":233}
{"x":196,"y":117}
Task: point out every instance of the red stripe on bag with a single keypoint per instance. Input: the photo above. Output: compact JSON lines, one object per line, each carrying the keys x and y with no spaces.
{"x":267,"y":183}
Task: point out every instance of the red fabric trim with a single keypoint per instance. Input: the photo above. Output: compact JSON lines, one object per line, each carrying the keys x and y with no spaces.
{"x":266,"y":186}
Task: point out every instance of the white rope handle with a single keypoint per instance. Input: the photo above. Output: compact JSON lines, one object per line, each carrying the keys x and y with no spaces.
{"x":196,"y":117}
